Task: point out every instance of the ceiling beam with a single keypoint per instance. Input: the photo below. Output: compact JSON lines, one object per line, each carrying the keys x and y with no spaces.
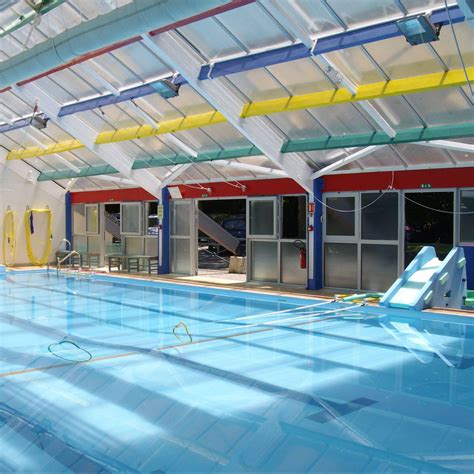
{"x":220,"y":93}
{"x":112,"y":154}
{"x":337,"y":142}
{"x":377,"y":90}
{"x":411,"y":135}
{"x":330,"y":97}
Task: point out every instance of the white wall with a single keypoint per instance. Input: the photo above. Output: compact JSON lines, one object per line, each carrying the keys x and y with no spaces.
{"x":18,"y":192}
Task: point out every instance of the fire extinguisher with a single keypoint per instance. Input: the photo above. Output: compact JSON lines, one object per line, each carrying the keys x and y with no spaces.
{"x":300,"y":245}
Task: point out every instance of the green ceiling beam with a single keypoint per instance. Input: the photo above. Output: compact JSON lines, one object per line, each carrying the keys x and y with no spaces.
{"x":84,"y":173}
{"x":229,"y":154}
{"x":412,"y":135}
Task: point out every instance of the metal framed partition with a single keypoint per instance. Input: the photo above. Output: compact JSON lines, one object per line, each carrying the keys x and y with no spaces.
{"x":361,"y":236}
{"x":370,"y":236}
{"x":183,"y":236}
{"x":271,"y":235}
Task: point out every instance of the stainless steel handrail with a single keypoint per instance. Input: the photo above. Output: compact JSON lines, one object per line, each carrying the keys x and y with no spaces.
{"x":62,"y":260}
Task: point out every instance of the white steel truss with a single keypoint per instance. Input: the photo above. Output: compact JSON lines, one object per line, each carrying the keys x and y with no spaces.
{"x":225,"y":98}
{"x":111,"y":153}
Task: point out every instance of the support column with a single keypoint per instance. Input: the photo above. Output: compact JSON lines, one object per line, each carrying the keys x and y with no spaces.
{"x":164,"y":234}
{"x":315,"y":281}
{"x":68,"y":205}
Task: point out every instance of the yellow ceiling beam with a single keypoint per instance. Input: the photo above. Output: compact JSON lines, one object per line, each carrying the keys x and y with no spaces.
{"x":408,"y":85}
{"x":169,"y":126}
{"x":377,"y":90}
{"x":36,"y":151}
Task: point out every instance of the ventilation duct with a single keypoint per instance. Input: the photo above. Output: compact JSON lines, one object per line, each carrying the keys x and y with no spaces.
{"x":4,"y":4}
{"x":132,"y":20}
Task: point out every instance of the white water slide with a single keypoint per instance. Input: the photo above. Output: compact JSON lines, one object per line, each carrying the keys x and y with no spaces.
{"x":216,"y":232}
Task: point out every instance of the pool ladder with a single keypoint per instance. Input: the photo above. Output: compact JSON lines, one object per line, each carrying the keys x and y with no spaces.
{"x":60,"y":261}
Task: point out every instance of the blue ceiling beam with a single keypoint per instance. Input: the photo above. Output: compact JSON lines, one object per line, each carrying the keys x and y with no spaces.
{"x":111,"y":99}
{"x":293,"y":52}
{"x":344,"y":40}
{"x":17,"y":124}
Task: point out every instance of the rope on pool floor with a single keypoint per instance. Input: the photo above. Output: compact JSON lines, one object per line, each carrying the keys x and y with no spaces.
{"x":137,"y":351}
{"x":87,"y":358}
{"x":182,"y":324}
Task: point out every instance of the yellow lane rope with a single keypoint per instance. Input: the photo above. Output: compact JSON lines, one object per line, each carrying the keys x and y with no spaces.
{"x":9,"y":238}
{"x":29,"y":222}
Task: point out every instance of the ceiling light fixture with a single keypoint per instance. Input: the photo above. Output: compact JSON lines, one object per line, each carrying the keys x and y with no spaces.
{"x":419,"y":29}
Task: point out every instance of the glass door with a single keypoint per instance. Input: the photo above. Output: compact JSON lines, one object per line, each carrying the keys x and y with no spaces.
{"x":262,"y":248}
{"x":428,"y":221}
{"x":183,"y":237}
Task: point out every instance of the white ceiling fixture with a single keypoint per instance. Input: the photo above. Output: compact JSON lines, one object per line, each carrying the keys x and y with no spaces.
{"x":249,"y":167}
{"x":345,"y":161}
{"x":67,"y":163}
{"x":5,"y":114}
{"x":115,"y":179}
{"x":170,"y":138}
{"x":174,"y":172}
{"x":449,"y":145}
{"x":225,"y":98}
{"x":132,"y":105}
{"x":96,"y":71}
{"x":111,"y":153}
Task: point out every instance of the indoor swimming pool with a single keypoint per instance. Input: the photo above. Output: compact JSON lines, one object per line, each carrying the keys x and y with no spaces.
{"x":108,"y":374}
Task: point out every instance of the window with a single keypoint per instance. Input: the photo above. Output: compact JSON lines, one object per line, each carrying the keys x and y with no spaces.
{"x":340,"y":265}
{"x":467,"y":220}
{"x":262,"y":217}
{"x":294,"y":217}
{"x":78,"y":219}
{"x":130,"y":222}
{"x":92,"y":219}
{"x":338,"y":220}
{"x":379,"y":216}
{"x":151,"y":224}
{"x":379,"y":266}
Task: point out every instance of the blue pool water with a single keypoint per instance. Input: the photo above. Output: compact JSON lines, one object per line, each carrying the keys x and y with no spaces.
{"x":260,"y":384}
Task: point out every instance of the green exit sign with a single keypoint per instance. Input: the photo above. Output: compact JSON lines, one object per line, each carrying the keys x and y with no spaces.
{"x":425,"y":186}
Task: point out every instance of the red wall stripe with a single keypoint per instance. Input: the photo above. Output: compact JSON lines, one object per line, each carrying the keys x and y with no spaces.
{"x":258,"y":187}
{"x":436,"y":178}
{"x":111,"y":195}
